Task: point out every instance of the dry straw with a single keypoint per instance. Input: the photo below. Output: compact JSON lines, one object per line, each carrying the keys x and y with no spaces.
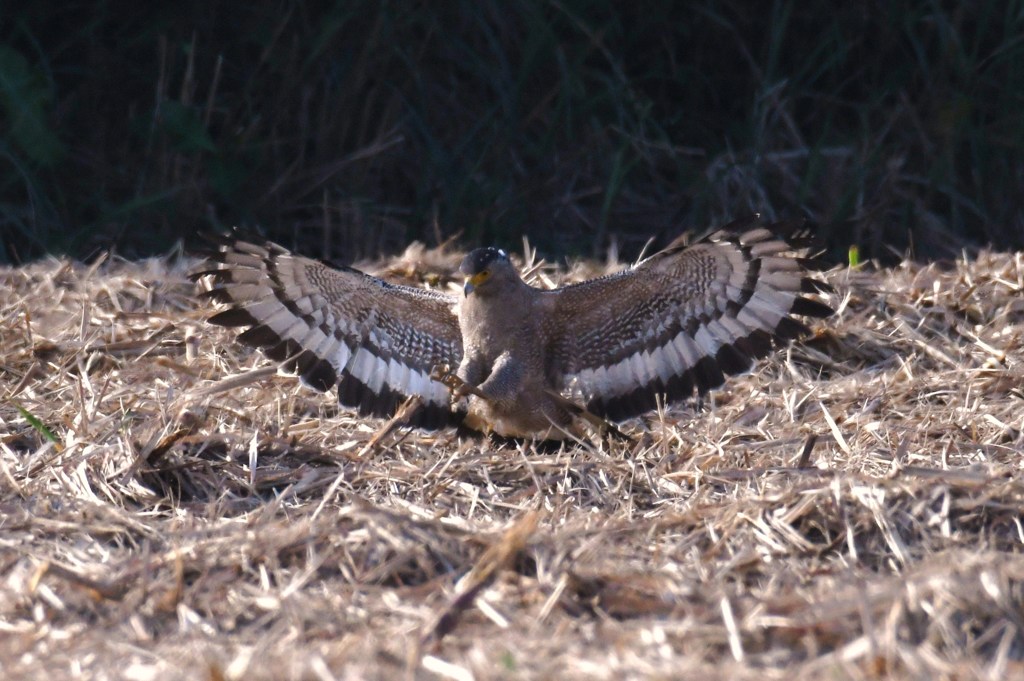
{"x":171,"y":508}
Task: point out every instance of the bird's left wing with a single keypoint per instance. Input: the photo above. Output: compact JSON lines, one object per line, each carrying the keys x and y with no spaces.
{"x":682,"y":319}
{"x":376,"y":341}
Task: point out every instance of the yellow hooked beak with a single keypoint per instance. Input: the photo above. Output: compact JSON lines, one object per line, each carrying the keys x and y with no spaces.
{"x":474,"y":281}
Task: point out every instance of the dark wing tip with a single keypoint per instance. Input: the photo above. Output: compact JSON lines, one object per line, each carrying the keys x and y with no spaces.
{"x":732,"y":360}
{"x":812,"y":285}
{"x":807,"y":307}
{"x":790,"y":329}
{"x":232,"y":317}
{"x":258,"y":336}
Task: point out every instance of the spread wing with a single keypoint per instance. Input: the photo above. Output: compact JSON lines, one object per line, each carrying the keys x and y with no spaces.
{"x":376,"y":341}
{"x":682,"y":319}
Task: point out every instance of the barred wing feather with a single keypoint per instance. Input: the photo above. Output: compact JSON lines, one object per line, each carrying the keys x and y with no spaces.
{"x":683,"y":319}
{"x":376,"y":341}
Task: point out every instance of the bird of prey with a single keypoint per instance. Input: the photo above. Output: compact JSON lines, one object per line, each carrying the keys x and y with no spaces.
{"x":529,"y":361}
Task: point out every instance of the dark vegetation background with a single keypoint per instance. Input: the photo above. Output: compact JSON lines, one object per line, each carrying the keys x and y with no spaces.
{"x":348,"y":129}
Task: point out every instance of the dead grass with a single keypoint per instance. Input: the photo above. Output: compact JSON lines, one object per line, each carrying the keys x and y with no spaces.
{"x":179,"y":527}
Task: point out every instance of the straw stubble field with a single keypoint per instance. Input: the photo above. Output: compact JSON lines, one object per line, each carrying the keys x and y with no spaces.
{"x":172,"y":508}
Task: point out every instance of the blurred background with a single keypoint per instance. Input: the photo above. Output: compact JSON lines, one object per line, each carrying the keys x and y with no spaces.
{"x":347,"y":129}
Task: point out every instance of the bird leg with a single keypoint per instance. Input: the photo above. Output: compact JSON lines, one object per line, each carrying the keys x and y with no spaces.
{"x":443,"y":373}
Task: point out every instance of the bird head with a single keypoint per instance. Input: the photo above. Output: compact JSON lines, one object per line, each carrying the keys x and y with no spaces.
{"x":485,"y":269}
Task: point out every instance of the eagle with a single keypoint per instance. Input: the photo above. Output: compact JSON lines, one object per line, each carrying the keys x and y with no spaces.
{"x":514,"y":360}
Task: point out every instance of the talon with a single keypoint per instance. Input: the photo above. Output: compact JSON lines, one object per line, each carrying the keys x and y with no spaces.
{"x":442,"y":373}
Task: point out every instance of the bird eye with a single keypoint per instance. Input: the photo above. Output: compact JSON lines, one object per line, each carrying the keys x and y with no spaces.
{"x":485,"y":273}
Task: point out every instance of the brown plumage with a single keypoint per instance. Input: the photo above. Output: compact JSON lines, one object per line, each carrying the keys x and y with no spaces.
{"x":677,"y":322}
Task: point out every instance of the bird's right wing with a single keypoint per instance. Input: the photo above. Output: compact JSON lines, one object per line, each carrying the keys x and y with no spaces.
{"x":376,"y":341}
